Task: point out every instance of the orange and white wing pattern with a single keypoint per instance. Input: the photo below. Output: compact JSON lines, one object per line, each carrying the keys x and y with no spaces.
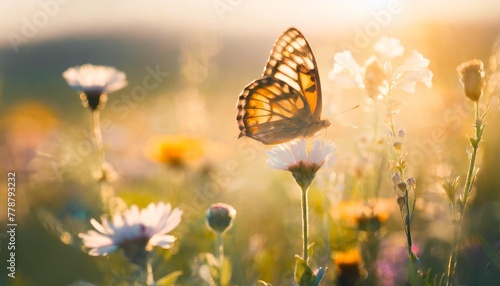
{"x":286,"y":102}
{"x":292,"y":61}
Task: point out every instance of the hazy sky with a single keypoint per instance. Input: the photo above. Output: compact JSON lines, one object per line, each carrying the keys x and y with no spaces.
{"x":25,"y":22}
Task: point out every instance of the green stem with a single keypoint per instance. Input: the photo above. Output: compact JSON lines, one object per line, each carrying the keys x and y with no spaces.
{"x":408,"y":213}
{"x":326,"y":227}
{"x":219,"y":255}
{"x":96,"y":131}
{"x":305,"y":223}
{"x":457,"y":224}
{"x":407,"y":223}
{"x":107,"y":192}
{"x":475,"y":147}
{"x":391,"y":117}
{"x":219,"y":247}
{"x":148,"y":272}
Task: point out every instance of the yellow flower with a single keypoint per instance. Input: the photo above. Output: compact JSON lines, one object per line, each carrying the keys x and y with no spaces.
{"x":348,"y":267}
{"x":366,"y":216}
{"x":175,"y":150}
{"x":351,"y":256}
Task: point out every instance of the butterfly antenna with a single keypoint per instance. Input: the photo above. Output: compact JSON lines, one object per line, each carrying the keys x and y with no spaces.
{"x":342,"y":122}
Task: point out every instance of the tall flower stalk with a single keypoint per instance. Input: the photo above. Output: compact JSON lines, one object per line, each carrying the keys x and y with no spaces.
{"x":473,"y":78}
{"x":303,"y":162}
{"x":219,"y":220}
{"x":380,"y":79}
{"x":94,"y":83}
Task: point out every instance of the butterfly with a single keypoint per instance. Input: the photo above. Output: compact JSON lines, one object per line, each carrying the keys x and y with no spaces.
{"x":285,"y":103}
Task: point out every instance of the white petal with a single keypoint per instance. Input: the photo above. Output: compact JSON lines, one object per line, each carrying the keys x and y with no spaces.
{"x":132,"y":215}
{"x":95,"y":78}
{"x":172,"y":221}
{"x":414,"y":70}
{"x":117,"y":221}
{"x":274,"y":162}
{"x":100,"y":251}
{"x":415,"y":62}
{"x":98,"y":226}
{"x":156,"y":220}
{"x":164,"y":241}
{"x":408,"y":81}
{"x":322,"y":152}
{"x":389,"y":48}
{"x":344,"y":61}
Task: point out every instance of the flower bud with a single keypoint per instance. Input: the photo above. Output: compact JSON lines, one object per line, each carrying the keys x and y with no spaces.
{"x":220,"y":217}
{"x":472,"y":77}
{"x":412,"y":184}
{"x":396,"y":179}
{"x":402,"y":134}
{"x":374,"y":77}
{"x":402,"y":186}
{"x":398,"y":146}
{"x":401,"y":202}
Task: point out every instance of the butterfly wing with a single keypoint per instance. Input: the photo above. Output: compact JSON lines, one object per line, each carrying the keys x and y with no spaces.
{"x":286,"y":102}
{"x":271,"y":111}
{"x":292,"y":61}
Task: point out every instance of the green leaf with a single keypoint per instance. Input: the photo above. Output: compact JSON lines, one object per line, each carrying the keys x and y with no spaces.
{"x":310,"y":251}
{"x":303,"y":273}
{"x":211,"y":260}
{"x":169,"y":280}
{"x":265,"y":283}
{"x":319,"y":275}
{"x":206,"y":274}
{"x":473,"y":142}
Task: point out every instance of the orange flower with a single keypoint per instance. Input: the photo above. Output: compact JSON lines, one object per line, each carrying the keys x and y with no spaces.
{"x":366,"y":216}
{"x":175,"y":150}
{"x":348,"y":267}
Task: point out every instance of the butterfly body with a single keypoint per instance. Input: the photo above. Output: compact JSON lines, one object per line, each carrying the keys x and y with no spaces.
{"x":285,"y":103}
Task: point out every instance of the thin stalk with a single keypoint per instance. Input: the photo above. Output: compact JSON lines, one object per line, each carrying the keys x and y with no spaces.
{"x":326,"y":229}
{"x":96,"y":131}
{"x":391,"y":117}
{"x":149,"y":272}
{"x":107,"y":192}
{"x":219,"y":255}
{"x":408,"y":224}
{"x":219,"y":247}
{"x":407,"y":218}
{"x":475,"y":147}
{"x":457,"y":226}
{"x":305,"y":223}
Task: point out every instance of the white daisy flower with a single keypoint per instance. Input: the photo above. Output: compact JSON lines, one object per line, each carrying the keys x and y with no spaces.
{"x":135,"y":231}
{"x":303,"y":162}
{"x":94,"y":82}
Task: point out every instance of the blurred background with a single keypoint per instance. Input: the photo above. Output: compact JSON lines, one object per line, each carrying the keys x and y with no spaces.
{"x":201,"y":54}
